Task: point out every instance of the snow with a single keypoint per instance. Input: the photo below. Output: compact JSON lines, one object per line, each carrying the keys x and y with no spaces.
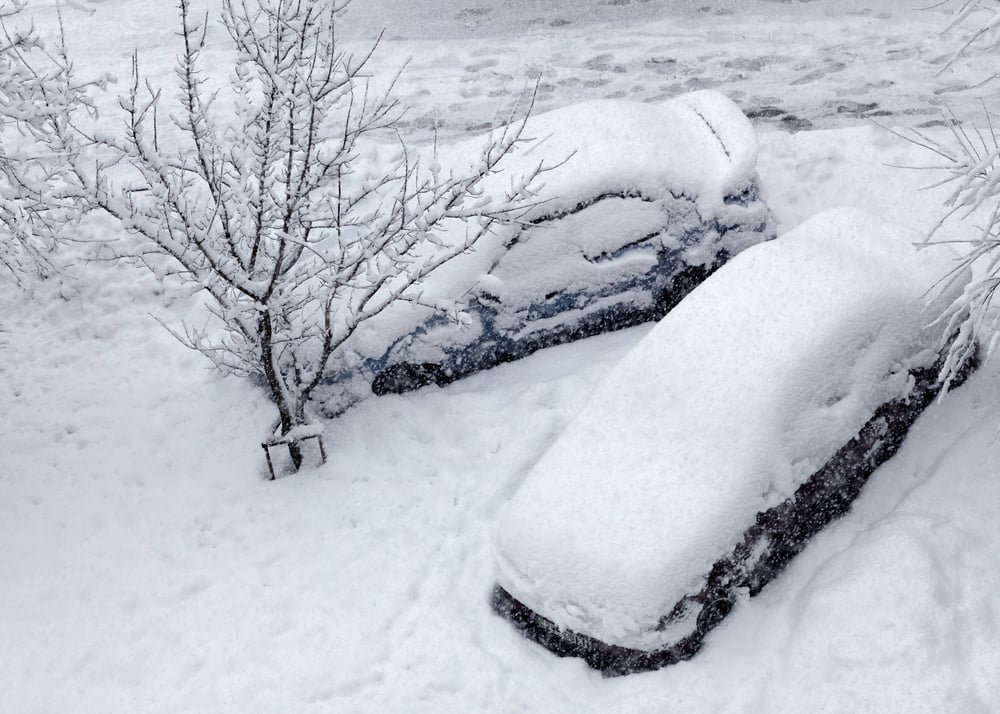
{"x":148,"y":566}
{"x":698,"y":146}
{"x":729,"y":404}
{"x":630,"y":185}
{"x":298,"y":433}
{"x":577,"y":248}
{"x":824,"y":62}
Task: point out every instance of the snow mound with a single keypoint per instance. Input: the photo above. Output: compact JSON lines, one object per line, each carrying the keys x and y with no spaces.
{"x":729,"y":404}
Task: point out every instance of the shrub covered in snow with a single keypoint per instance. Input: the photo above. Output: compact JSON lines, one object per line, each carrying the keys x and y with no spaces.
{"x":969,"y":161}
{"x":278,"y":200}
{"x":37,"y":96}
{"x":745,"y":421}
{"x":650,"y":200}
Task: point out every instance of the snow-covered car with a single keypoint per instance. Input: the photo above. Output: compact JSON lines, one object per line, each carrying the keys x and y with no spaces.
{"x":744,"y":422}
{"x":651,"y":200}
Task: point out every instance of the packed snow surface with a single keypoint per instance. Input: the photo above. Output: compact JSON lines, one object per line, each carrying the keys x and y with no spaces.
{"x":147,"y":566}
{"x":730,"y":403}
{"x":794,"y":65}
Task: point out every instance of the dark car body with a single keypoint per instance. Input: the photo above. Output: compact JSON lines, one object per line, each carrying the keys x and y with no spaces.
{"x":653,"y":199}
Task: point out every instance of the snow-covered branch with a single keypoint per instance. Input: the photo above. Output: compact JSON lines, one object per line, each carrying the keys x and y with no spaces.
{"x":38,"y":98}
{"x":289,"y":196}
{"x":967,"y":160}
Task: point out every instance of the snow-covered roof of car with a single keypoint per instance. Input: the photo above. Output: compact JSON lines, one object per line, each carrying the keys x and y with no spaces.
{"x":733,"y":400}
{"x":698,"y":144}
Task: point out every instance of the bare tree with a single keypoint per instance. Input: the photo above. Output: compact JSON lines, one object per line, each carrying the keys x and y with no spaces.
{"x":280,"y":197}
{"x":968,"y":158}
{"x":38,"y":95}
{"x":970,"y":163}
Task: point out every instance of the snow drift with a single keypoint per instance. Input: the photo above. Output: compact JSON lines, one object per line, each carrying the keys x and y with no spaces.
{"x":743,"y":422}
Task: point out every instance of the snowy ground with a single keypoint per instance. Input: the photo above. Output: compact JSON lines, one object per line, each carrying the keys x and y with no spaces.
{"x":792,"y":64}
{"x":147,"y":567}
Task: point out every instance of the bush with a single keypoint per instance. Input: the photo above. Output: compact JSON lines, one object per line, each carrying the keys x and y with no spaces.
{"x":279,"y":198}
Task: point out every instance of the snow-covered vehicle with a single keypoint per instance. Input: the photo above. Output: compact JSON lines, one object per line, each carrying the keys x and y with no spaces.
{"x":651,"y":200}
{"x":744,"y":422}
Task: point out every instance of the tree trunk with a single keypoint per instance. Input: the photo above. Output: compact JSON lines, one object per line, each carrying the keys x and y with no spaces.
{"x":291,"y":411}
{"x":298,"y":413}
{"x":288,"y":422}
